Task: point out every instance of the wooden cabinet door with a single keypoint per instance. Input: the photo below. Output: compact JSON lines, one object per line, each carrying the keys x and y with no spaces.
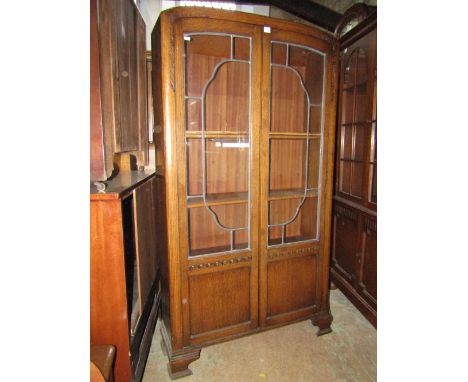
{"x":217,"y":88}
{"x":346,"y":242}
{"x":295,"y":124}
{"x":368,"y":263}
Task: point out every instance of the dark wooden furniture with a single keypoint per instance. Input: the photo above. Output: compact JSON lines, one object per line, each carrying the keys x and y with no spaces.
{"x":118,"y":85}
{"x":124,"y":288}
{"x":354,"y":247}
{"x":247,"y":109}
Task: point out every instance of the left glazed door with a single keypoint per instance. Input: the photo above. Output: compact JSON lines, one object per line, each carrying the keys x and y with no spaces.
{"x":217,"y":85}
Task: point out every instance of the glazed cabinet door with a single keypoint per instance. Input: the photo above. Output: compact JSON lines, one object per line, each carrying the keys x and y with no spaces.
{"x":296,"y":86}
{"x":218,"y":100}
{"x":346,"y":242}
{"x":357,"y":125}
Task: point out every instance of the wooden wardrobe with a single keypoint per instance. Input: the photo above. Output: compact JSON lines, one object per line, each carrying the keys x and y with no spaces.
{"x":244,"y":109}
{"x":354,"y":248}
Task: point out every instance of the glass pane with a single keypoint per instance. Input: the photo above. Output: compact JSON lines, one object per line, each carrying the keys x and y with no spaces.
{"x":193,"y":114}
{"x":241,"y":239}
{"x":363,"y":112}
{"x":295,"y":158}
{"x":227,"y":165}
{"x":359,"y":141}
{"x":241,"y":48}
{"x":345,"y":176}
{"x":217,"y":93}
{"x":304,"y":227}
{"x":346,"y":142}
{"x":274,"y":235}
{"x":288,"y":101}
{"x":310,"y":65}
{"x":356,"y":179}
{"x":314,"y":163}
{"x":315,"y":122}
{"x":347,"y":95}
{"x":287,"y":161}
{"x":194,"y":167}
{"x":203,"y":53}
{"x":278,"y":53}
{"x":227,"y":99}
{"x":206,"y":236}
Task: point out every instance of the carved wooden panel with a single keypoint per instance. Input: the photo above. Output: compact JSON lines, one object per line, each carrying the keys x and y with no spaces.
{"x":219,"y":299}
{"x":292,"y":284}
{"x":368,"y":277}
{"x":345,"y":242}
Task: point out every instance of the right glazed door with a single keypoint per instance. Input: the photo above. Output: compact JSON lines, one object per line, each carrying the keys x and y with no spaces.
{"x":294,"y":140}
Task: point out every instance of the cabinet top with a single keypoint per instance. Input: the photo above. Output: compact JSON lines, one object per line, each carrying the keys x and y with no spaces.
{"x":123,"y":183}
{"x":220,"y":14}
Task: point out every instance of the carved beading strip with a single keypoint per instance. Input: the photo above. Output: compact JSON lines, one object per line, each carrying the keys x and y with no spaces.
{"x":240,"y":259}
{"x":340,"y":210}
{"x":314,"y":250}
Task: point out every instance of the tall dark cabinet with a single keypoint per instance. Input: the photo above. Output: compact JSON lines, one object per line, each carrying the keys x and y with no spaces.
{"x":354,"y":240}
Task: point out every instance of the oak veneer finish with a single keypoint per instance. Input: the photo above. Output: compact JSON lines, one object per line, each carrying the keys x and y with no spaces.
{"x":212,"y":298}
{"x":354,"y":253}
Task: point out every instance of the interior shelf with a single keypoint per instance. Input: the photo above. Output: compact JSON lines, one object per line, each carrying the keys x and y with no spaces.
{"x":290,"y":135}
{"x":358,"y":85}
{"x":218,"y":199}
{"x":291,"y":193}
{"x":217,"y":134}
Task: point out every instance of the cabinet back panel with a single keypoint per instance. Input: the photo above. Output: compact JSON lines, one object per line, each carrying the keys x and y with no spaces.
{"x":219,"y":299}
{"x":292,"y":284}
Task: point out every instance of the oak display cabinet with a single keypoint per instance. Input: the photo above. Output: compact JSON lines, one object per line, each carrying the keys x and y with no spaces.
{"x":244,"y":110}
{"x":354,"y":247}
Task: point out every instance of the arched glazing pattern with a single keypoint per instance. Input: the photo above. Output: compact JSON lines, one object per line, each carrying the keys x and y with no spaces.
{"x":217,"y":134}
{"x":295,"y":143}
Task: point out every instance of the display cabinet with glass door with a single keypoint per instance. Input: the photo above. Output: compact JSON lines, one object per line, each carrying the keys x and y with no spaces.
{"x":354,"y":248}
{"x":248,"y":129}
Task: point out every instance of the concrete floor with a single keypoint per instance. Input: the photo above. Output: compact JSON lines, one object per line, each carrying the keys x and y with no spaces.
{"x":290,"y":353}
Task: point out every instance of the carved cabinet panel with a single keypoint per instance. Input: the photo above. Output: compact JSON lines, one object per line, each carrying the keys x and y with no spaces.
{"x":346,"y":242}
{"x":368,"y":262}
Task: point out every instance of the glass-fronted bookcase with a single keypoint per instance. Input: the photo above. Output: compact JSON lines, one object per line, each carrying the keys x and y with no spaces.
{"x":247,"y":108}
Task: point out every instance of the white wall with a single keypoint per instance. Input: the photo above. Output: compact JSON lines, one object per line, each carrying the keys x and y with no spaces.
{"x":150,"y":10}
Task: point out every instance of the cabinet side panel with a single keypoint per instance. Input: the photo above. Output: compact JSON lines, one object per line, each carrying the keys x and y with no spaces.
{"x":108,"y":79}
{"x":145,"y":240}
{"x":98,"y":171}
{"x":142,"y":100}
{"x":108,"y":303}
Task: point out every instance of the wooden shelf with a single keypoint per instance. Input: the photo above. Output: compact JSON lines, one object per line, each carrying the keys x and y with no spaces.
{"x":360,"y":84}
{"x":291,"y":193}
{"x":292,"y":135}
{"x":218,"y":199}
{"x":217,"y":134}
